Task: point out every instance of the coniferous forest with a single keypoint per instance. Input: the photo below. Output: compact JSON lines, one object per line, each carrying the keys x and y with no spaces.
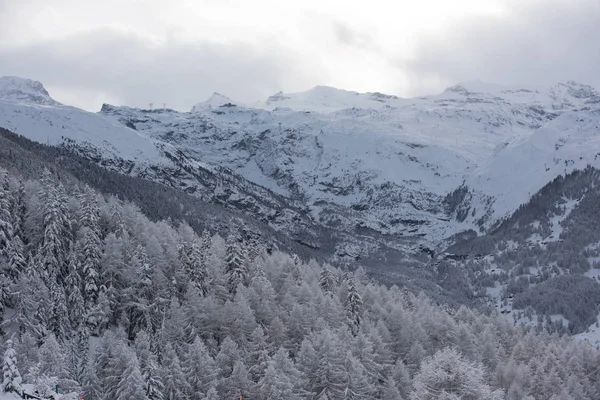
{"x":105,"y":303}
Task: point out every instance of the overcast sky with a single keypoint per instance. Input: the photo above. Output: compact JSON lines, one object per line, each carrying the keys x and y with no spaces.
{"x":136,"y":52}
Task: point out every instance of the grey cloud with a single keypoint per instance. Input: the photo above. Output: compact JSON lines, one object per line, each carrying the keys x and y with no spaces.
{"x":348,"y":36}
{"x":538,"y":42}
{"x":129,"y":68}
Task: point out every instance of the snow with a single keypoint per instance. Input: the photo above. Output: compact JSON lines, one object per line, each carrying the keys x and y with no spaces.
{"x":393,"y":158}
{"x":25,"y":91}
{"x":9,"y":396}
{"x":215,"y":101}
{"x":592,"y":334}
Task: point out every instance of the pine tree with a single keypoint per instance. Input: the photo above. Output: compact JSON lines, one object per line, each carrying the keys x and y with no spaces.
{"x":448,"y":375}
{"x":173,"y":378}
{"x":228,"y":355}
{"x":98,"y":317}
{"x":330,"y":374}
{"x":390,"y":391}
{"x":75,"y":302}
{"x":238,"y":383}
{"x":131,"y":384}
{"x":148,"y":367}
{"x":258,"y":354}
{"x":90,"y":213}
{"x":89,"y":263}
{"x":211,"y":394}
{"x":235,"y":265}
{"x":357,"y":383}
{"x":56,"y":229}
{"x":77,"y":356}
{"x":19,"y":211}
{"x":52,"y":360}
{"x":275,"y":384}
{"x":16,"y":258}
{"x":12,"y":377}
{"x":200,"y":369}
{"x":353,"y":306}
{"x":6,"y":219}
{"x":195,"y":265}
{"x":58,"y":323}
{"x":327,"y":281}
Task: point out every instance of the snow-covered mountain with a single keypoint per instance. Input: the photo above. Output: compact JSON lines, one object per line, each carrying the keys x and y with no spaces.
{"x":367,"y":163}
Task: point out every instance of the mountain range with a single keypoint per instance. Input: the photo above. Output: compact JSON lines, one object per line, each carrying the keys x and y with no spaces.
{"x":364,"y":178}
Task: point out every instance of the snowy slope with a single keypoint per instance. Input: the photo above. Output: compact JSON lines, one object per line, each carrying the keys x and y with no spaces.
{"x":525,"y":164}
{"x":359,"y":162}
{"x":368,"y":160}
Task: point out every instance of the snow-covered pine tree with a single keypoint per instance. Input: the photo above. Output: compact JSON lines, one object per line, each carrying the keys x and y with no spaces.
{"x":16,"y":258}
{"x":238,"y":383}
{"x":76,"y":355}
{"x":6,"y":217}
{"x":90,"y":213}
{"x":275,"y":384}
{"x":173,"y":378}
{"x":148,"y":367}
{"x":211,"y":394}
{"x":358,"y":386}
{"x":258,"y":354}
{"x":90,"y":253}
{"x":59,"y":323}
{"x":131,"y":385}
{"x":353,"y":306}
{"x":56,"y":229}
{"x":75,"y":302}
{"x":200,"y":369}
{"x":19,"y":210}
{"x":195,"y":265}
{"x":327,"y":281}
{"x":390,"y":391}
{"x":12,"y":377}
{"x":235,"y":265}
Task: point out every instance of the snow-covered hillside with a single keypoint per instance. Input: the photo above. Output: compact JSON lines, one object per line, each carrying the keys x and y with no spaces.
{"x":360,"y":162}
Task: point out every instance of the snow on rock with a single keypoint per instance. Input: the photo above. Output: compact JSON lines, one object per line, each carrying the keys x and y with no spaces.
{"x":325,"y":99}
{"x":357,"y":161}
{"x":215,"y":101}
{"x":25,"y":91}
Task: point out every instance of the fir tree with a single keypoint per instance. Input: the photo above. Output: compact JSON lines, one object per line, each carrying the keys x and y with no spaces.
{"x":12,"y":377}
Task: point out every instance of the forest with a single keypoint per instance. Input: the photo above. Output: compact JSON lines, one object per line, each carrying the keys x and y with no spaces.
{"x":104,"y":302}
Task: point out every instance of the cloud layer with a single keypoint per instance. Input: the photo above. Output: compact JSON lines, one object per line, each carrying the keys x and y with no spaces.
{"x":179,"y":55}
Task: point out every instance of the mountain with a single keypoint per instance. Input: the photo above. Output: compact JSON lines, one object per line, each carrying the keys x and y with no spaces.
{"x":361,"y":163}
{"x":25,"y":91}
{"x":442,"y":193}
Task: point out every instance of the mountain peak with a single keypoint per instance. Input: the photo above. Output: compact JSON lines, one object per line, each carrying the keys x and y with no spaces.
{"x":24,"y":90}
{"x":216,"y":100}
